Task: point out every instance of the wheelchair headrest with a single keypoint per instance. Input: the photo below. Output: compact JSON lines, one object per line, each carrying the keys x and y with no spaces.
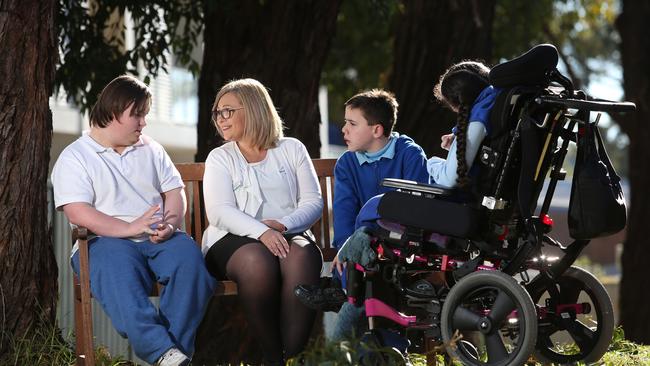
{"x":529,"y":69}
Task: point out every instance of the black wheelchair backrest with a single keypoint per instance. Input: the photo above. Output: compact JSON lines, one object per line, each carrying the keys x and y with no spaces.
{"x":521,"y":80}
{"x":530,"y":69}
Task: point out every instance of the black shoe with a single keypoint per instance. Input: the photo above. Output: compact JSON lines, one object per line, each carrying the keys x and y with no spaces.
{"x":328,"y":296}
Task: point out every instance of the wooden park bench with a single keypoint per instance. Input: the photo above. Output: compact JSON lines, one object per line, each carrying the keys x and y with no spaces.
{"x":195,"y":223}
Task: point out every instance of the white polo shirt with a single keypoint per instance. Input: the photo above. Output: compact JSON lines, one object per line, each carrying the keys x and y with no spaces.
{"x":122,"y":186}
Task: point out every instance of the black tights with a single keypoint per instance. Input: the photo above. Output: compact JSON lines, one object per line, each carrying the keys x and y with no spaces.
{"x":265,"y":286}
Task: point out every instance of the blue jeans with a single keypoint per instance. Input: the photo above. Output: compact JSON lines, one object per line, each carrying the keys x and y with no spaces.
{"x":122,"y":275}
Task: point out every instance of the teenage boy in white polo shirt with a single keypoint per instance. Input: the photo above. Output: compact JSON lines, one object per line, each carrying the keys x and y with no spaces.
{"x":124,"y":188}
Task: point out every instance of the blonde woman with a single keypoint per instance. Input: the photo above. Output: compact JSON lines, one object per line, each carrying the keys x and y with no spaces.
{"x":261,"y":196}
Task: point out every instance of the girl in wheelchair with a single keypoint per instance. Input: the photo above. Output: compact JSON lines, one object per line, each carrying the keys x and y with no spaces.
{"x":505,"y":299}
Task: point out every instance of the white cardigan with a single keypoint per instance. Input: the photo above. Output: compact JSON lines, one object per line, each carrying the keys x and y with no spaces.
{"x":233,"y":196}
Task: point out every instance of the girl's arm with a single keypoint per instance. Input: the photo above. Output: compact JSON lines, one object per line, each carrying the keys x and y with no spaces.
{"x":443,"y":171}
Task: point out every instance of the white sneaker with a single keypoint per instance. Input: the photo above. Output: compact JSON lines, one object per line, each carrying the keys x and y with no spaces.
{"x":173,"y":357}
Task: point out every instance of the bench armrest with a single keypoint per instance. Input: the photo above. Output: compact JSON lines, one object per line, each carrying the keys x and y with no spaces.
{"x":83,"y":315}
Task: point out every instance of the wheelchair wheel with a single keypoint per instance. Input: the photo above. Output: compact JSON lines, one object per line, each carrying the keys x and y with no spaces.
{"x":495,"y":317}
{"x":570,"y":337}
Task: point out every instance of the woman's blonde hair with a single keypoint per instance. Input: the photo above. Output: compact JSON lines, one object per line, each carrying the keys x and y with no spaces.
{"x":263,"y":126}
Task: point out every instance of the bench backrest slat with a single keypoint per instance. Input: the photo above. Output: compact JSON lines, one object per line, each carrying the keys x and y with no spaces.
{"x":196,"y":221}
{"x":322,"y":228}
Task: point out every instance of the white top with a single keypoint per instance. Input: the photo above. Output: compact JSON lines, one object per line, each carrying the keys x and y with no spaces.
{"x":443,"y":171}
{"x":122,"y":186}
{"x":236,"y":199}
{"x":275,"y":195}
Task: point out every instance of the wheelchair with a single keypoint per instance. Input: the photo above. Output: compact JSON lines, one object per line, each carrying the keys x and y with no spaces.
{"x":504,"y":298}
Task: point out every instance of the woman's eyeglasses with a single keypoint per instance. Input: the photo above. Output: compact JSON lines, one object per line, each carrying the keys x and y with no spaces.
{"x":224,"y":113}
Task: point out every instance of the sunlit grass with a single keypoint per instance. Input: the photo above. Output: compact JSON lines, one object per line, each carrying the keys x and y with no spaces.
{"x":47,"y":347}
{"x":620,"y":352}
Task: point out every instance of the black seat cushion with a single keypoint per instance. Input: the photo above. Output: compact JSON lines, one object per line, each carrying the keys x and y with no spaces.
{"x":430,"y":214}
{"x":529,"y":69}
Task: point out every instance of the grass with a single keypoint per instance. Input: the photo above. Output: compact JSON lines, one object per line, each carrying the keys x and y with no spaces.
{"x":624,"y":352}
{"x":621,"y":352}
{"x":47,"y":347}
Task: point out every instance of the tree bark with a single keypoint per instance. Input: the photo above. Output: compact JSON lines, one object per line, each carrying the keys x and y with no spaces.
{"x":430,"y":36}
{"x":283,"y":44}
{"x":635,"y":55}
{"x":28,"y":274}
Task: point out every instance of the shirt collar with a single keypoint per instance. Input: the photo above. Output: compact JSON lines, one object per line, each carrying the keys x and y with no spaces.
{"x":85,"y":136}
{"x":386,"y":152}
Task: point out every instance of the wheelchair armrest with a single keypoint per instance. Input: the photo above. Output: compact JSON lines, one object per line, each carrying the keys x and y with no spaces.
{"x":410,"y":186}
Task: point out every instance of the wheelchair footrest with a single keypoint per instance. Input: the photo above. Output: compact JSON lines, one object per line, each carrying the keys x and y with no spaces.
{"x":375,"y":307}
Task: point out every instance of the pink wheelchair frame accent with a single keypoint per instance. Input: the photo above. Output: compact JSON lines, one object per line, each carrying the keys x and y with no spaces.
{"x":375,"y":307}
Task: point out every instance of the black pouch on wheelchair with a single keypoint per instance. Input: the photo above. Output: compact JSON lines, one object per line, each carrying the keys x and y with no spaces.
{"x":430,"y":214}
{"x":597,"y":206}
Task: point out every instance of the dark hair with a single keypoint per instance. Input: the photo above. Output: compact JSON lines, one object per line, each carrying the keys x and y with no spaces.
{"x":117,"y":96}
{"x":458,"y":88}
{"x":378,"y":107}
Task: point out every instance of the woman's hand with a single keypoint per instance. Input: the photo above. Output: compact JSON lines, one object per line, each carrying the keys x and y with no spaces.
{"x":446,"y":141}
{"x":145,"y":224}
{"x":275,"y":225}
{"x":275,"y":242}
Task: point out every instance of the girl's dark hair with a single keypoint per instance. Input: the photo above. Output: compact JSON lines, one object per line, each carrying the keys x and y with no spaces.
{"x":117,"y":96}
{"x":458,"y":88}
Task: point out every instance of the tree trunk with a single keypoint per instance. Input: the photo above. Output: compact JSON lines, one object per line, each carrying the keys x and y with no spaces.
{"x":28,"y":273}
{"x":430,"y":36}
{"x":635,"y":52}
{"x":283,"y":44}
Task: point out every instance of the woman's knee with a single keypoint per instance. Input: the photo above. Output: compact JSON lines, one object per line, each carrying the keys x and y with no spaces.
{"x":301,"y":249}
{"x":253,"y":262}
{"x":303,"y":264}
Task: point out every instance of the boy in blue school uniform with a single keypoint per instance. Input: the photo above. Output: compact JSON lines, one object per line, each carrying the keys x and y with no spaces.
{"x":375,"y":152}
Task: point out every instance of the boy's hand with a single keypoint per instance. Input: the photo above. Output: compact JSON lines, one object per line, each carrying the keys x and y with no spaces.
{"x":338,"y":264}
{"x":446,"y":141}
{"x":275,"y":242}
{"x":143,"y":224}
{"x":163,"y":231}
